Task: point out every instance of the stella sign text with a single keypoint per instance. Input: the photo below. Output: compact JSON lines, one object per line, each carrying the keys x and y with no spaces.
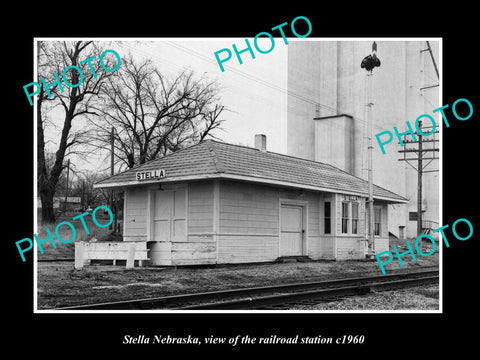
{"x":150,"y":174}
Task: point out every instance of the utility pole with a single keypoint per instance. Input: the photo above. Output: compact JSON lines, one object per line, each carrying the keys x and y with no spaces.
{"x":419,"y":182}
{"x":112,"y":192}
{"x":429,"y":49}
{"x":111,"y":227}
{"x":66,"y":189}
{"x":369,"y":63}
{"x":112,"y":134}
{"x":371,"y":216}
{"x":426,"y":151}
{"x":84,"y":206}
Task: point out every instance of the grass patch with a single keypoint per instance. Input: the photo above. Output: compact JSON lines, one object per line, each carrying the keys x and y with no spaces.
{"x":65,"y":232}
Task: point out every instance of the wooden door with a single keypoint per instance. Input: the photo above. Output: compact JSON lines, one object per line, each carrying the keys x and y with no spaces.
{"x":291,"y":230}
{"x":169,"y":215}
{"x":162,"y":209}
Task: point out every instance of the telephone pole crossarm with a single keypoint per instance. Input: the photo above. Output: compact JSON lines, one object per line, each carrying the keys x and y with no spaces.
{"x":422,"y":153}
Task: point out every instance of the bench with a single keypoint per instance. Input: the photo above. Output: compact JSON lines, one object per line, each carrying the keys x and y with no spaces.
{"x":123,"y":250}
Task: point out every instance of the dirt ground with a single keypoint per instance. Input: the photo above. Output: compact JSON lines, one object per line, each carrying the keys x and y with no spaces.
{"x":414,"y":298}
{"x":59,"y":284}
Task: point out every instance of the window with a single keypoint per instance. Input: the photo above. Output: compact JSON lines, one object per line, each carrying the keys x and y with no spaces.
{"x":354,"y":218}
{"x":413,"y":215}
{"x":328,"y":217}
{"x":344,"y":217}
{"x":377,"y":220}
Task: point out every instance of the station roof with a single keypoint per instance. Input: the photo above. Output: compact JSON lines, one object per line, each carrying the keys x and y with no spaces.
{"x":217,"y":160}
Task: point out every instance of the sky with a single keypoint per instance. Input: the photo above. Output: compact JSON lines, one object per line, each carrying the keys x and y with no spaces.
{"x":255,"y":92}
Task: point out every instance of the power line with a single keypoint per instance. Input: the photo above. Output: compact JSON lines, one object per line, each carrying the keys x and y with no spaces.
{"x":254,"y":78}
{"x":262,"y":82}
{"x":269,"y":84}
{"x":433,"y":59}
{"x":420,"y":152}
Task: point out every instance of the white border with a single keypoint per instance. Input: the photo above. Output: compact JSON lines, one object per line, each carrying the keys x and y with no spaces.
{"x":35,"y":274}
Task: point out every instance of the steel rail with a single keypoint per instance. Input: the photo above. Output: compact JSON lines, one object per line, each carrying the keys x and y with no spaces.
{"x":296,"y":297}
{"x":246,"y":296}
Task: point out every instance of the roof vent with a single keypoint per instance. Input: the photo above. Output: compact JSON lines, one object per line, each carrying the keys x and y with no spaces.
{"x":261,"y":142}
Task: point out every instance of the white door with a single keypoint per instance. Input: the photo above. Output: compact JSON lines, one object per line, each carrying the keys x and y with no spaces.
{"x":291,"y":230}
{"x":169,"y":215}
{"x":162,"y":209}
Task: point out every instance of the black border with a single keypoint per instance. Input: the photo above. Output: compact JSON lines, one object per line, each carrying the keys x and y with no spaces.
{"x":386,"y":334}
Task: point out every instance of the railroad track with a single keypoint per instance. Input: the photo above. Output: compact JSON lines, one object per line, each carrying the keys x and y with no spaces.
{"x":271,"y":297}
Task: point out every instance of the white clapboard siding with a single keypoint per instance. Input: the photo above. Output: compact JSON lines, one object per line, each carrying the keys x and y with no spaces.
{"x":199,"y":250}
{"x":141,"y":238}
{"x":250,"y":212}
{"x":207,"y":238}
{"x":381,"y":244}
{"x":350,"y":248}
{"x":248,"y":208}
{"x":313,"y":226}
{"x":338,"y":215}
{"x":321,"y":247}
{"x":135,"y":212}
{"x":328,"y":247}
{"x":314,"y":247}
{"x":193,"y":252}
{"x":246,"y":248}
{"x":384,"y":230}
{"x":200,"y":207}
{"x":160,"y":253}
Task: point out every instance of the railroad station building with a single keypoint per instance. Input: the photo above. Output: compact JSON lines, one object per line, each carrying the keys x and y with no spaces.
{"x":218,"y":203}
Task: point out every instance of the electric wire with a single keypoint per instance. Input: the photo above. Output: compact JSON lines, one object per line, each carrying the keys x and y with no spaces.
{"x":332,"y":110}
{"x":192,"y":52}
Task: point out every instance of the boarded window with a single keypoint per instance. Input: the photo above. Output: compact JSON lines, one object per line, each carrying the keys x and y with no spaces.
{"x":413,"y":215}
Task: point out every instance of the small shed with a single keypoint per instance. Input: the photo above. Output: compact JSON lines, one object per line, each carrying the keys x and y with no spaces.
{"x":72,"y":203}
{"x":218,"y":203}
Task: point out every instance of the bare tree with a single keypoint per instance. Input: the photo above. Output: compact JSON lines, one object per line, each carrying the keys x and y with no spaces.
{"x":73,"y":102}
{"x":153,"y":115}
{"x":83,"y":187}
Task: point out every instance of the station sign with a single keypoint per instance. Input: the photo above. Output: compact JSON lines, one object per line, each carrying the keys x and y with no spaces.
{"x":150,"y":174}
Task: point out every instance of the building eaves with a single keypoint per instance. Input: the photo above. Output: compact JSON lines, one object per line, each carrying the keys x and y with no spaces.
{"x":213,"y":159}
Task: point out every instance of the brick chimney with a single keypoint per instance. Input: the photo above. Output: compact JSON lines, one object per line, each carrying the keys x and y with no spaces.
{"x":261,"y":142}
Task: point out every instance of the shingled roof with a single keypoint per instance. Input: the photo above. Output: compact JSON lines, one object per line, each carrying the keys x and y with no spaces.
{"x":212,"y":159}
